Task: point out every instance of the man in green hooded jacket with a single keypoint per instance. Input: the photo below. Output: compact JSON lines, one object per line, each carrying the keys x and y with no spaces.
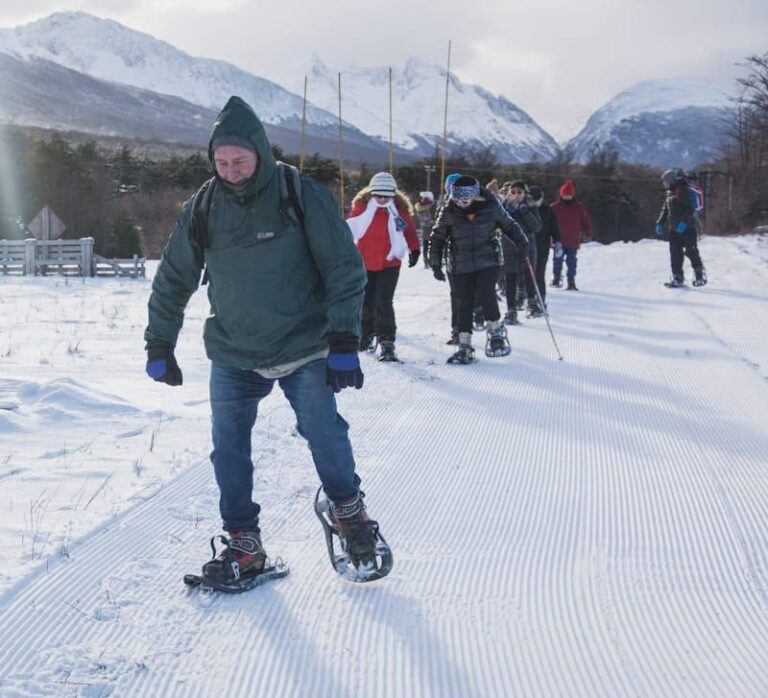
{"x":286,"y":296}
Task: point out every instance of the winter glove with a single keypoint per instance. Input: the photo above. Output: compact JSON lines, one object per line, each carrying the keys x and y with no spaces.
{"x":558,"y":250}
{"x":343,"y":369}
{"x":681,"y":227}
{"x":161,"y":363}
{"x":659,"y":230}
{"x":437,"y":272}
{"x":413,"y":257}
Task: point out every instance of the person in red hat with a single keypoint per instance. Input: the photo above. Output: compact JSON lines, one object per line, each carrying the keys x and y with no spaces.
{"x":575,"y":226}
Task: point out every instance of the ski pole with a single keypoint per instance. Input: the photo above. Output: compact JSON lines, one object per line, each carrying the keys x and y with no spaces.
{"x":543,"y":307}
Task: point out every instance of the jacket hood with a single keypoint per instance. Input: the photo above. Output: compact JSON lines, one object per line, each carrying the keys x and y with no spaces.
{"x":238,"y":119}
{"x":402,"y":202}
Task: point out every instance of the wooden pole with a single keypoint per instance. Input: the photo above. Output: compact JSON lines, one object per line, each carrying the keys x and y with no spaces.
{"x":445,"y":121}
{"x":303,"y":127}
{"x":341,"y":156}
{"x":390,"y":120}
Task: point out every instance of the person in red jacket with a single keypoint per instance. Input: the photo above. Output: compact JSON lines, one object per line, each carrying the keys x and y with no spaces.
{"x":381,"y":221}
{"x":575,"y":226}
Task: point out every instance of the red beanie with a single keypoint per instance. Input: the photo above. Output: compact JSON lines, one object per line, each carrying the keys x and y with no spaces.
{"x":567,"y":189}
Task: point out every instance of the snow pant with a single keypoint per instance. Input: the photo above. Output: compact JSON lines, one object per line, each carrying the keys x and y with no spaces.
{"x":542,"y":256}
{"x":235,"y":395}
{"x":378,"y":304}
{"x":480,"y":284}
{"x":510,"y":283}
{"x":569,"y":256}
{"x":454,"y":305}
{"x":684,"y":245}
{"x":530,"y":282}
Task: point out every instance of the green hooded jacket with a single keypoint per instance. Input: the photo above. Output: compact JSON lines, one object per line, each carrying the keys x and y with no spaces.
{"x":275,"y":290}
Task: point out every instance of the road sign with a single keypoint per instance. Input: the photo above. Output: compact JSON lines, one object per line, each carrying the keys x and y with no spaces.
{"x":46,"y":225}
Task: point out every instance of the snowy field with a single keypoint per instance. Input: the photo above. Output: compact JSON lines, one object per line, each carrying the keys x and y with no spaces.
{"x":591,"y":527}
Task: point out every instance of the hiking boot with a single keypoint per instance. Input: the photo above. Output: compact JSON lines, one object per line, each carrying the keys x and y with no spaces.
{"x":387,"y":351}
{"x":454,"y":340}
{"x":366,"y":342}
{"x":357,"y":532}
{"x":511,"y":318}
{"x":701,"y":277}
{"x":466,"y":353}
{"x":572,"y":285}
{"x":557,"y":282}
{"x":243,"y":555}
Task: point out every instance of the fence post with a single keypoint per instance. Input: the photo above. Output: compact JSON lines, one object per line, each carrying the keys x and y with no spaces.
{"x":86,"y":257}
{"x":29,"y":256}
{"x":4,"y":248}
{"x":135,"y":274}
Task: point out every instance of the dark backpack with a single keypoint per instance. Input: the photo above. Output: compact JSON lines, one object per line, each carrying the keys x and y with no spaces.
{"x":205,"y":198}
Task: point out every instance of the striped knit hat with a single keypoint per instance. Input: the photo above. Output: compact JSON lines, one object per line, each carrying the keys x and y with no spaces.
{"x":383,"y":184}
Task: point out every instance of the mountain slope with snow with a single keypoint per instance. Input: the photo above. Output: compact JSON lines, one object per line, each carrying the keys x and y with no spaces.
{"x":588,"y":527}
{"x":476,"y":117}
{"x":666,"y":123}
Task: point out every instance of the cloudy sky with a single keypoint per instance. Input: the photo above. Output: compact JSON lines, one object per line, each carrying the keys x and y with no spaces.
{"x":557,"y":59}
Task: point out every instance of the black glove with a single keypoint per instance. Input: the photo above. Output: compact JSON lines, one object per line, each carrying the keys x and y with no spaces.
{"x":413,"y":257}
{"x":343,"y":370}
{"x":161,"y":363}
{"x":437,"y":272}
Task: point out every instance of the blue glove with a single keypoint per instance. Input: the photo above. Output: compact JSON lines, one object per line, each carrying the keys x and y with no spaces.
{"x":343,"y":370}
{"x":558,"y":250}
{"x":681,"y":227}
{"x":437,"y":272}
{"x":161,"y":363}
{"x":659,"y":230}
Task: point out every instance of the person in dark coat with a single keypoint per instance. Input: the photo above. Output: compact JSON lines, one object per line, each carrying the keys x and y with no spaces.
{"x":575,"y":226}
{"x":678,"y":219}
{"x":548,"y":237}
{"x":467,"y":228}
{"x":519,"y":207}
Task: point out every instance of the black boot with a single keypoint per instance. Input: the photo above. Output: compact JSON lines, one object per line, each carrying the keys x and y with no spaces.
{"x":572,"y":285}
{"x":557,"y":282}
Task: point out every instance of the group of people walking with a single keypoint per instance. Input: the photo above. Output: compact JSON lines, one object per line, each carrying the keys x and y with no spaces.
{"x":294,"y":298}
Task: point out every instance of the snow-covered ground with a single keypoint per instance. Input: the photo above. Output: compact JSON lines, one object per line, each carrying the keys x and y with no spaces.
{"x":591,"y":527}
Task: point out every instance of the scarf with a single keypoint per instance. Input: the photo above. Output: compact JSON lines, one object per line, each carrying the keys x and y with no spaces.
{"x":395,"y":225}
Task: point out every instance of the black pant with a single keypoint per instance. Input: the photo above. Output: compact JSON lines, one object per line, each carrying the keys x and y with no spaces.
{"x":541,"y":270}
{"x":378,"y":308}
{"x":454,"y":305}
{"x":480,"y":284}
{"x":680,"y":245}
{"x":510,"y":285}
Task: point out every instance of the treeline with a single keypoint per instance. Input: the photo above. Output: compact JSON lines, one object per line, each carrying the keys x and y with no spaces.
{"x":127,"y":197}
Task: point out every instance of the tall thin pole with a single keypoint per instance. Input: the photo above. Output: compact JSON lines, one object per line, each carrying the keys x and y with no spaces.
{"x":303,"y":127}
{"x":445,"y":121}
{"x":390,"y":119}
{"x":341,"y":156}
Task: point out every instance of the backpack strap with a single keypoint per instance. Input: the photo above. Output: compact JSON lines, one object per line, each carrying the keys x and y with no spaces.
{"x":201,"y":208}
{"x":290,"y":191}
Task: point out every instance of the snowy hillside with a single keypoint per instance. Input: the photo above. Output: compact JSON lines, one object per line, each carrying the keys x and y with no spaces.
{"x":665,"y":123}
{"x":476,"y":116}
{"x":591,"y":527}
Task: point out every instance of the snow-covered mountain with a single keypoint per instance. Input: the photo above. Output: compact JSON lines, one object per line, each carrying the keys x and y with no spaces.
{"x":658,"y":122}
{"x":109,"y":51}
{"x":476,"y":117}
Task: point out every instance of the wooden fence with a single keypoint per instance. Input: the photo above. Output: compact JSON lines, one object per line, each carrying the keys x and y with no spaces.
{"x":32,"y":257}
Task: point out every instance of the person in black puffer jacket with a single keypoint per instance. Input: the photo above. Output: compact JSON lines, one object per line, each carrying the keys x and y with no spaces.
{"x":467,"y":227}
{"x":548,"y":237}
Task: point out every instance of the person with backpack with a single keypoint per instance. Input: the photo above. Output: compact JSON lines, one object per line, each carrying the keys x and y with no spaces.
{"x":575,"y":226}
{"x":678,"y":219}
{"x":424,"y":215}
{"x":381,"y":221}
{"x":547,"y":238}
{"x":286,"y":287}
{"x":467,"y":231}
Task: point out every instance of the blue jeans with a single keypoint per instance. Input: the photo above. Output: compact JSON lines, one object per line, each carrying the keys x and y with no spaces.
{"x":569,"y":256}
{"x":235,"y":396}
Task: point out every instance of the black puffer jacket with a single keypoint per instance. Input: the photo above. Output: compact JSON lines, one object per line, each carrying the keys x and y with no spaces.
{"x":527,"y":216}
{"x":471,"y":235}
{"x":549,"y":233}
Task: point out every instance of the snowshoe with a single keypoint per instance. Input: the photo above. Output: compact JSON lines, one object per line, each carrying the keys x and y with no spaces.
{"x":226,"y":571}
{"x":534,"y":311}
{"x":362,"y":555}
{"x":465,"y":355}
{"x":701,"y":278}
{"x":675,"y":282}
{"x":496,"y":342}
{"x":511,"y":318}
{"x":388,"y":352}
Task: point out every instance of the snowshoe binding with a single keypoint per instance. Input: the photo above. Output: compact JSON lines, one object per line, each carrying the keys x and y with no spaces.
{"x":534,"y":311}
{"x":388,"y":352}
{"x":465,"y":353}
{"x":701,"y":277}
{"x":496,"y":342}
{"x":362,"y":554}
{"x":241,"y":565}
{"x":511,"y":318}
